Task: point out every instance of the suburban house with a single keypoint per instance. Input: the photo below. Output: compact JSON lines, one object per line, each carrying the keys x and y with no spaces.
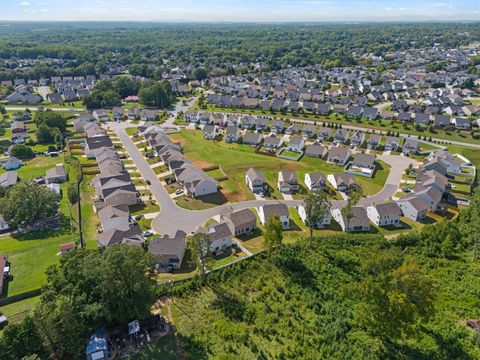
{"x":220,"y":237}
{"x":384,"y":214}
{"x":342,"y":182}
{"x":118,"y":113}
{"x":296,"y":144}
{"x":57,"y":174}
{"x":323,"y":133}
{"x":373,"y":141}
{"x":280,"y":210}
{"x":272,"y":142}
{"x":198,"y":183}
{"x":169,"y":251}
{"x":100,"y":115}
{"x":287,"y":182}
{"x":410,"y":146}
{"x":315,"y":181}
{"x":122,"y":235}
{"x":436,"y":164}
{"x":338,"y":155}
{"x":8,"y":179}
{"x":413,"y":207}
{"x":341,"y":136}
{"x":364,"y":160}
{"x":292,"y":129}
{"x":308,"y":131}
{"x":251,"y":138}
{"x":209,"y":132}
{"x":453,"y":164}
{"x":357,"y":139}
{"x":316,"y":150}
{"x":277,"y":126}
{"x":19,"y":132}
{"x":391,"y":143}
{"x":431,"y":196}
{"x":358,"y":222}
{"x":240,"y":222}
{"x":255,"y":181}
{"x":325,"y":221}
{"x":232,"y":134}
{"x":461,"y":123}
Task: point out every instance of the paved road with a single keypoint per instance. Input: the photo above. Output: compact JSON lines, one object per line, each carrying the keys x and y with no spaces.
{"x":35,"y":108}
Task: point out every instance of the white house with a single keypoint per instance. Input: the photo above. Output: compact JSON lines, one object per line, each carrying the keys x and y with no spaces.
{"x":296,"y":144}
{"x":320,"y":224}
{"x":220,"y":237}
{"x":358,"y":222}
{"x":384,"y":214}
{"x":280,"y":210}
{"x":414,"y":208}
{"x":315,"y":181}
{"x":342,"y":182}
{"x":209,"y":132}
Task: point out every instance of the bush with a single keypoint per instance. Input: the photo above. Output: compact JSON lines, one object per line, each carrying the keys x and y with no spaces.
{"x":22,"y":151}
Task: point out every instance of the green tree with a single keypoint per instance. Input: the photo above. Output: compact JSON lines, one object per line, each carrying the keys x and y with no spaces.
{"x":394,"y":301}
{"x":22,"y":151}
{"x":273,"y":234}
{"x":44,"y":134}
{"x":200,"y":74}
{"x":353,"y":198}
{"x":72,"y":193}
{"x":199,"y":246}
{"x":21,"y":341}
{"x":25,"y":203}
{"x":52,"y":119}
{"x":125,"y":86}
{"x":317,"y":208}
{"x":159,"y":95}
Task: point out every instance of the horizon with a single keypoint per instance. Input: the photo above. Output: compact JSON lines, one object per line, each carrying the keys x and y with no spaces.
{"x":237,"y":11}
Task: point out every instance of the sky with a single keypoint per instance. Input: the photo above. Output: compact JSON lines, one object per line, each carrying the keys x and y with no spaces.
{"x":239,"y":10}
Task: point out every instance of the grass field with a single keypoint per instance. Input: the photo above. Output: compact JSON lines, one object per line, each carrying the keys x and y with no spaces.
{"x":17,"y":311}
{"x":37,"y":166}
{"x":235,"y":159}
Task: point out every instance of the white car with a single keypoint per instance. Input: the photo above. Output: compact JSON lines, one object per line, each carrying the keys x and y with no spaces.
{"x":147,"y":233}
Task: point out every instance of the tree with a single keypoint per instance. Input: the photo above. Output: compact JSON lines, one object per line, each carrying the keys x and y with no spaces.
{"x":52,"y":119}
{"x":199,"y":246}
{"x":22,"y":151}
{"x":317,"y":207}
{"x":273,"y":234}
{"x":91,"y":288}
{"x":21,"y":341}
{"x":72,"y":193}
{"x":125,"y":86}
{"x":44,"y":134}
{"x":392,"y":301}
{"x":159,"y":95}
{"x":353,"y":198}
{"x":200,"y":74}
{"x":25,"y":203}
{"x":476,"y":222}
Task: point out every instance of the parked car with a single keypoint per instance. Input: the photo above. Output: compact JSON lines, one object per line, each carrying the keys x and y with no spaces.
{"x":137,"y":217}
{"x":147,"y":233}
{"x":406,"y":189}
{"x":148,"y":182}
{"x":179,"y":191}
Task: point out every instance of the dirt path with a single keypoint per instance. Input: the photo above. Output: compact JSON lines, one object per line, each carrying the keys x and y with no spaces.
{"x":180,"y":352}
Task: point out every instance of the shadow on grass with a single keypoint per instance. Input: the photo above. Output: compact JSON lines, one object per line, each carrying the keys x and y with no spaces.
{"x":252,"y":235}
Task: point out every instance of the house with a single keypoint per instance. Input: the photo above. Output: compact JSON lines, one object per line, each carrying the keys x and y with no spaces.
{"x":431,"y":178}
{"x":198,"y":183}
{"x":118,"y":113}
{"x":341,"y":136}
{"x":308,"y":131}
{"x":316,"y":150}
{"x":413,"y":207}
{"x":357,"y":139}
{"x":431,"y":196}
{"x":240,"y":222}
{"x":410,"y":146}
{"x":338,"y":155}
{"x":364,"y":160}
{"x":287,"y":182}
{"x":232,"y":134}
{"x":323,"y":134}
{"x":436,"y":164}
{"x":101,"y":115}
{"x":342,"y":182}
{"x":252,"y":138}
{"x":370,"y":113}
{"x":116,"y":216}
{"x":255,"y":181}
{"x":122,"y":235}
{"x":354,"y":111}
{"x":261,"y":124}
{"x":296,"y":144}
{"x":280,"y":210}
{"x":421,"y":119}
{"x":277,"y":126}
{"x":169,"y":250}
{"x":98,"y":346}
{"x":219,"y":236}
{"x":272,"y":142}
{"x":391,"y":143}
{"x":453,"y":164}
{"x":292,"y":129}
{"x":384,"y":214}
{"x":8,"y":179}
{"x":66,"y":248}
{"x":373,"y":141}
{"x":57,"y":174}
{"x":12,"y":163}
{"x":461,"y":123}
{"x":325,"y":221}
{"x":404,"y":116}
{"x":441,"y":120}
{"x":358,"y":222}
{"x":315,"y":181}
{"x":209,"y":132}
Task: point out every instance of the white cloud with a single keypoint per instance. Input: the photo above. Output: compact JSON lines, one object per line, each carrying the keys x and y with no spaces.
{"x":24,"y":3}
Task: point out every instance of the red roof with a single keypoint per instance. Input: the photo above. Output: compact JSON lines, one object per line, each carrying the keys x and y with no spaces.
{"x":67,"y":246}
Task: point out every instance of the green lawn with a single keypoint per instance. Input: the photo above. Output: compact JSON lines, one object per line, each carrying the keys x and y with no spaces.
{"x":144,"y":208}
{"x":235,"y":159}
{"x":37,"y":166}
{"x":131,"y":130}
{"x":201,"y":203}
{"x":165,"y":348}
{"x":16,"y":311}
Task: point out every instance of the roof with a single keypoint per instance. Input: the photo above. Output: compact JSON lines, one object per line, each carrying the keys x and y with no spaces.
{"x":97,"y":342}
{"x":123,"y":235}
{"x":339,"y":152}
{"x":67,"y":246}
{"x":167,"y":245}
{"x":9,"y":178}
{"x":315,"y":149}
{"x":275,"y":209}
{"x":388,"y":208}
{"x":359,"y":217}
{"x":57,"y":171}
{"x":416,"y":202}
{"x":345,"y":178}
{"x":360,"y":158}
{"x":217,"y":232}
{"x":296,"y":141}
{"x":316,"y":177}
{"x":241,"y":217}
{"x":253,"y":175}
{"x":288,"y":176}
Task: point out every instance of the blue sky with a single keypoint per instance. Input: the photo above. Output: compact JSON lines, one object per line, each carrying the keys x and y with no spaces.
{"x":240,"y":10}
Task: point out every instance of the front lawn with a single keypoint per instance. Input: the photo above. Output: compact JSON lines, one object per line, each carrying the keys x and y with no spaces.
{"x":146,"y":207}
{"x":37,"y":166}
{"x":202,"y":202}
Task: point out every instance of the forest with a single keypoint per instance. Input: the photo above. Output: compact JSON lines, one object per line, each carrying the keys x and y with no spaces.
{"x":88,"y":47}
